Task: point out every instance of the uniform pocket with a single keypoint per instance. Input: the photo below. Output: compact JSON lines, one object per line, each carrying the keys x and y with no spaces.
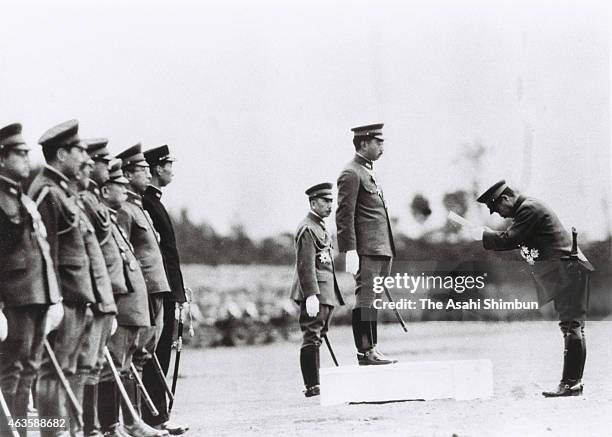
{"x":323,"y":276}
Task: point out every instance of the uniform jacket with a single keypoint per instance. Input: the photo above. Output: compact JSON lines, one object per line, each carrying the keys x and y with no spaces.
{"x":66,"y":227}
{"x":98,"y":223}
{"x":129,"y":283}
{"x":314,"y":264}
{"x":27,"y":274}
{"x":163,"y":225}
{"x":137,"y":224}
{"x":362,"y":218}
{"x":538,"y":233}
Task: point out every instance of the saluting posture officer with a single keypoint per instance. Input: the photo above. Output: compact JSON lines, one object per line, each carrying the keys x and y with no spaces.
{"x":66,"y":228}
{"x":542,"y":240}
{"x":27,"y":277}
{"x":138,"y":225}
{"x":132,"y":301}
{"x":364,"y":233}
{"x":314,"y":287}
{"x":160,"y":165}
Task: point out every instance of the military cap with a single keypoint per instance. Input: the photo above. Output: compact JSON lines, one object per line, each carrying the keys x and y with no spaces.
{"x":10,"y":138}
{"x":492,"y":194}
{"x":158,"y":155}
{"x":133,"y":156}
{"x":115,"y":174}
{"x":323,"y":190}
{"x":369,"y":131}
{"x":96,"y":149}
{"x":63,"y":135}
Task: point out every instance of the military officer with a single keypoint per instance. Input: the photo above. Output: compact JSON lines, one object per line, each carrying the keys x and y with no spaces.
{"x":66,"y":229}
{"x":137,"y":224}
{"x":314,"y":287}
{"x":27,"y":275}
{"x":132,"y":301}
{"x":91,"y":357}
{"x":160,"y":165}
{"x":364,"y":234}
{"x":542,"y":240}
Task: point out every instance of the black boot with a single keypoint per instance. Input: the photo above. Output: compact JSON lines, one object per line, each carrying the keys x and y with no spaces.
{"x":91,"y":425}
{"x":362,"y":330}
{"x":309,"y":363}
{"x":573,"y":364}
{"x":108,"y":405}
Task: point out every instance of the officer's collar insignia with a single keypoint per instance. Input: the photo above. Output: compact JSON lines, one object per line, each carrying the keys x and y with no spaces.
{"x":13,"y":191}
{"x":364,"y":161}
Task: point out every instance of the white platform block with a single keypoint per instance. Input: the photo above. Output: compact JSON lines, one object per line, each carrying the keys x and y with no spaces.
{"x":461,"y":380}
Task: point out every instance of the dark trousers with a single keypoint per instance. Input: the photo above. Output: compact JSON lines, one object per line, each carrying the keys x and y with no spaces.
{"x":150,"y":377}
{"x":21,"y":353}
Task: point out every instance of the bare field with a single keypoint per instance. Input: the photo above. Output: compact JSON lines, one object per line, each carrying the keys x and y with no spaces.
{"x":256,"y":390}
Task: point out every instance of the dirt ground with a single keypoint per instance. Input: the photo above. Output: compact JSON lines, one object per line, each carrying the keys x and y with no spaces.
{"x":257,"y":390}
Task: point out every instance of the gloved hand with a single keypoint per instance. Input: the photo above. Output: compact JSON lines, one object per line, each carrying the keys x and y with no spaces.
{"x":312,"y":305}
{"x":114,"y":326}
{"x":55,"y":314}
{"x":352,"y":262}
{"x":3,"y":327}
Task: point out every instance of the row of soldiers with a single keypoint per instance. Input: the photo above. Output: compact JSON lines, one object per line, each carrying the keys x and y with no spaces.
{"x":89,"y":284}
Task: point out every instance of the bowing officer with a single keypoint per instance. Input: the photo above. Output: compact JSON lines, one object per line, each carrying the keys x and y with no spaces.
{"x":546,"y":246}
{"x":66,"y":228}
{"x":160,"y":165}
{"x":27,"y":275}
{"x":364,"y":234}
{"x":314,"y":286}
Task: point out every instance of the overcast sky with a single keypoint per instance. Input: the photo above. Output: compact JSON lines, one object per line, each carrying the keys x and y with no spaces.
{"x":257,"y":102}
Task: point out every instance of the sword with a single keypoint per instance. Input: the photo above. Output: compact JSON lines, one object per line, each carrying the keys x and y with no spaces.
{"x":331,"y":351}
{"x":144,"y":391}
{"x":177,"y":357}
{"x":124,"y":395}
{"x":6,"y":413}
{"x":71,"y":397}
{"x":397,"y":314}
{"x":161,"y":375}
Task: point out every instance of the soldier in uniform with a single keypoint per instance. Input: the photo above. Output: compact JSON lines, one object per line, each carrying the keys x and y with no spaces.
{"x":27,"y":275}
{"x":364,"y":234}
{"x":160,"y":165}
{"x":542,"y":240}
{"x":138,"y":225}
{"x":132,"y":302}
{"x":66,"y":229}
{"x":314,"y":287}
{"x":104,"y":322}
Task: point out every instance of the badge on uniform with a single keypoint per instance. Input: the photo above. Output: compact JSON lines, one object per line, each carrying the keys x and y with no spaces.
{"x":324,"y":257}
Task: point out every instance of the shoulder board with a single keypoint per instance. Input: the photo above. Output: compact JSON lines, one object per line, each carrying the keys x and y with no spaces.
{"x":42,"y":194}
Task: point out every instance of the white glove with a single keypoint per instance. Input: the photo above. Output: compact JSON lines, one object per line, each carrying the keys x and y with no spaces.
{"x":3,"y":327}
{"x":352,"y":262}
{"x":55,"y":314}
{"x":312,"y":305}
{"x":476,"y":232}
{"x":114,"y":326}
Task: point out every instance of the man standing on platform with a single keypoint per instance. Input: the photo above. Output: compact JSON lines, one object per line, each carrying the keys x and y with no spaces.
{"x":364,"y":234}
{"x":560,"y":271}
{"x":160,"y":165}
{"x":314,"y":287}
{"x":27,"y":276}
